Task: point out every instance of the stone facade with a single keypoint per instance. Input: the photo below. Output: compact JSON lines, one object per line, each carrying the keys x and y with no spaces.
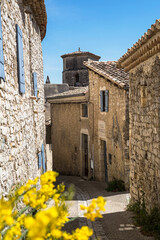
{"x":67,"y":122}
{"x":93,"y":143}
{"x":110,"y":135}
{"x":74,"y":72}
{"x":50,"y":90}
{"x":143,"y":63}
{"x":22,"y":124}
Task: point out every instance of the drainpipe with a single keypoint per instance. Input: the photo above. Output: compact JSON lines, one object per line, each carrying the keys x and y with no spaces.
{"x":93,"y":139}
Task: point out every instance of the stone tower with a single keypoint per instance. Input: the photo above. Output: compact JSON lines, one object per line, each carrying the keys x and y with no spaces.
{"x":74,"y":72}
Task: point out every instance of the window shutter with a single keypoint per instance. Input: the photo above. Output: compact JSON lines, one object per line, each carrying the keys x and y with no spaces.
{"x":20,"y":60}
{"x":106,"y":100}
{"x":101,"y":100}
{"x":39,"y":160}
{"x":2,"y":75}
{"x":35,"y":83}
{"x":43,"y":159}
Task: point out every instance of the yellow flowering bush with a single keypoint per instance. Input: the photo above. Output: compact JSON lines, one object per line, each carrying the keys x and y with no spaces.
{"x":35,"y":221}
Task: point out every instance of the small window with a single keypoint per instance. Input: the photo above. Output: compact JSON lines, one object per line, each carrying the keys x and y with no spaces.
{"x":84,"y":110}
{"x":110,"y":158}
{"x":77,"y":78}
{"x":104,"y":100}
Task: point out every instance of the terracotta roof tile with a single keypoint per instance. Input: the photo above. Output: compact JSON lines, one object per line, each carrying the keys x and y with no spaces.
{"x":110,"y":71}
{"x":81,"y":53}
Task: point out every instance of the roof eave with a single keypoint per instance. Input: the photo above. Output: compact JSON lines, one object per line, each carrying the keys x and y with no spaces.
{"x":40,"y":14}
{"x":107,"y":77}
{"x":81,"y":54}
{"x":69,"y":99}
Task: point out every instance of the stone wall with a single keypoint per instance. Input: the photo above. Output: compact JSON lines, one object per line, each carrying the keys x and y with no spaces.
{"x":142,"y":61}
{"x":111,"y":127}
{"x":74,"y":72}
{"x":22,"y":124}
{"x":66,"y":138}
{"x":50,"y":90}
{"x":145,"y":131}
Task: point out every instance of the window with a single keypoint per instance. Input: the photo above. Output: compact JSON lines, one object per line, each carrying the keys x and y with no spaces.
{"x":110,"y":158}
{"x":77,"y":78}
{"x":20,"y":60}
{"x":104,"y":100}
{"x":84,"y":110}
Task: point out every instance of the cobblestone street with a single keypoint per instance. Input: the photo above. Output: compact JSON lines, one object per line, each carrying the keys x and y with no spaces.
{"x":116,"y":224}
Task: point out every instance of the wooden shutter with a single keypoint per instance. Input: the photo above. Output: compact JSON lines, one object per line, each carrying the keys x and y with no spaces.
{"x":35,"y":83}
{"x":39,"y":160}
{"x":2,"y":75}
{"x":106,"y":100}
{"x":20,"y":60}
{"x":101,"y":100}
{"x":43,"y":159}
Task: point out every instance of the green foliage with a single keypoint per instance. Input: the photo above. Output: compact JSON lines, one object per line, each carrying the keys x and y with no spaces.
{"x":116,"y":186}
{"x":149,"y":222}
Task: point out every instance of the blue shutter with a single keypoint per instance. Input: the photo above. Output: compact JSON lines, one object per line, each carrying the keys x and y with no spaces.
{"x":2,"y":75}
{"x":101,"y":100}
{"x":39,"y":160}
{"x":106,"y":100}
{"x":20,"y":60}
{"x":35,"y":83}
{"x":43,"y":159}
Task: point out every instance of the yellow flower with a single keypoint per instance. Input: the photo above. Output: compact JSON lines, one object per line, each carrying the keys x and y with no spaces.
{"x":46,"y":223}
{"x":5,"y":213}
{"x":56,"y":233}
{"x":93,"y":210}
{"x":14,"y":232}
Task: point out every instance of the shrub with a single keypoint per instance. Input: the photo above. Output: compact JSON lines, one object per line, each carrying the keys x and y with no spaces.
{"x":149,"y":222}
{"x":116,"y":186}
{"x":37,"y":222}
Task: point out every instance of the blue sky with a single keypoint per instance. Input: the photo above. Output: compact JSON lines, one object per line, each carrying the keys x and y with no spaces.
{"x":103,"y":27}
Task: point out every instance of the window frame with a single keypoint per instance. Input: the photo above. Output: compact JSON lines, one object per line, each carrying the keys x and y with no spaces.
{"x":83,"y":110}
{"x":104,"y":100}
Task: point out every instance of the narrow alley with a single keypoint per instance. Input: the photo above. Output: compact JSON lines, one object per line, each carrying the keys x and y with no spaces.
{"x":116,"y":224}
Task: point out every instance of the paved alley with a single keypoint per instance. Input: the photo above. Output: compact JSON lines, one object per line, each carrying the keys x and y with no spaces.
{"x":116,"y":223}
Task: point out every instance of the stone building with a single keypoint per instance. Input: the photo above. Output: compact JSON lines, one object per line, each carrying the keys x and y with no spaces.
{"x":22,"y":117}
{"x":50,"y":90}
{"x":74,"y":72}
{"x":109,"y":116}
{"x":90,"y":134}
{"x":68,"y":122}
{"x":143,"y":63}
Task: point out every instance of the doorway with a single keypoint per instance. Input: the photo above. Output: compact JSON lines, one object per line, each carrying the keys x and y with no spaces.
{"x":104,"y":159}
{"x":85,"y":155}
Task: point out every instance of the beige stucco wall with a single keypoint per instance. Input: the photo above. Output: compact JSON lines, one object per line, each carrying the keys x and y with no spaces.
{"x":67,"y":126}
{"x":112,"y":127}
{"x":22,"y":123}
{"x":145,"y":131}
